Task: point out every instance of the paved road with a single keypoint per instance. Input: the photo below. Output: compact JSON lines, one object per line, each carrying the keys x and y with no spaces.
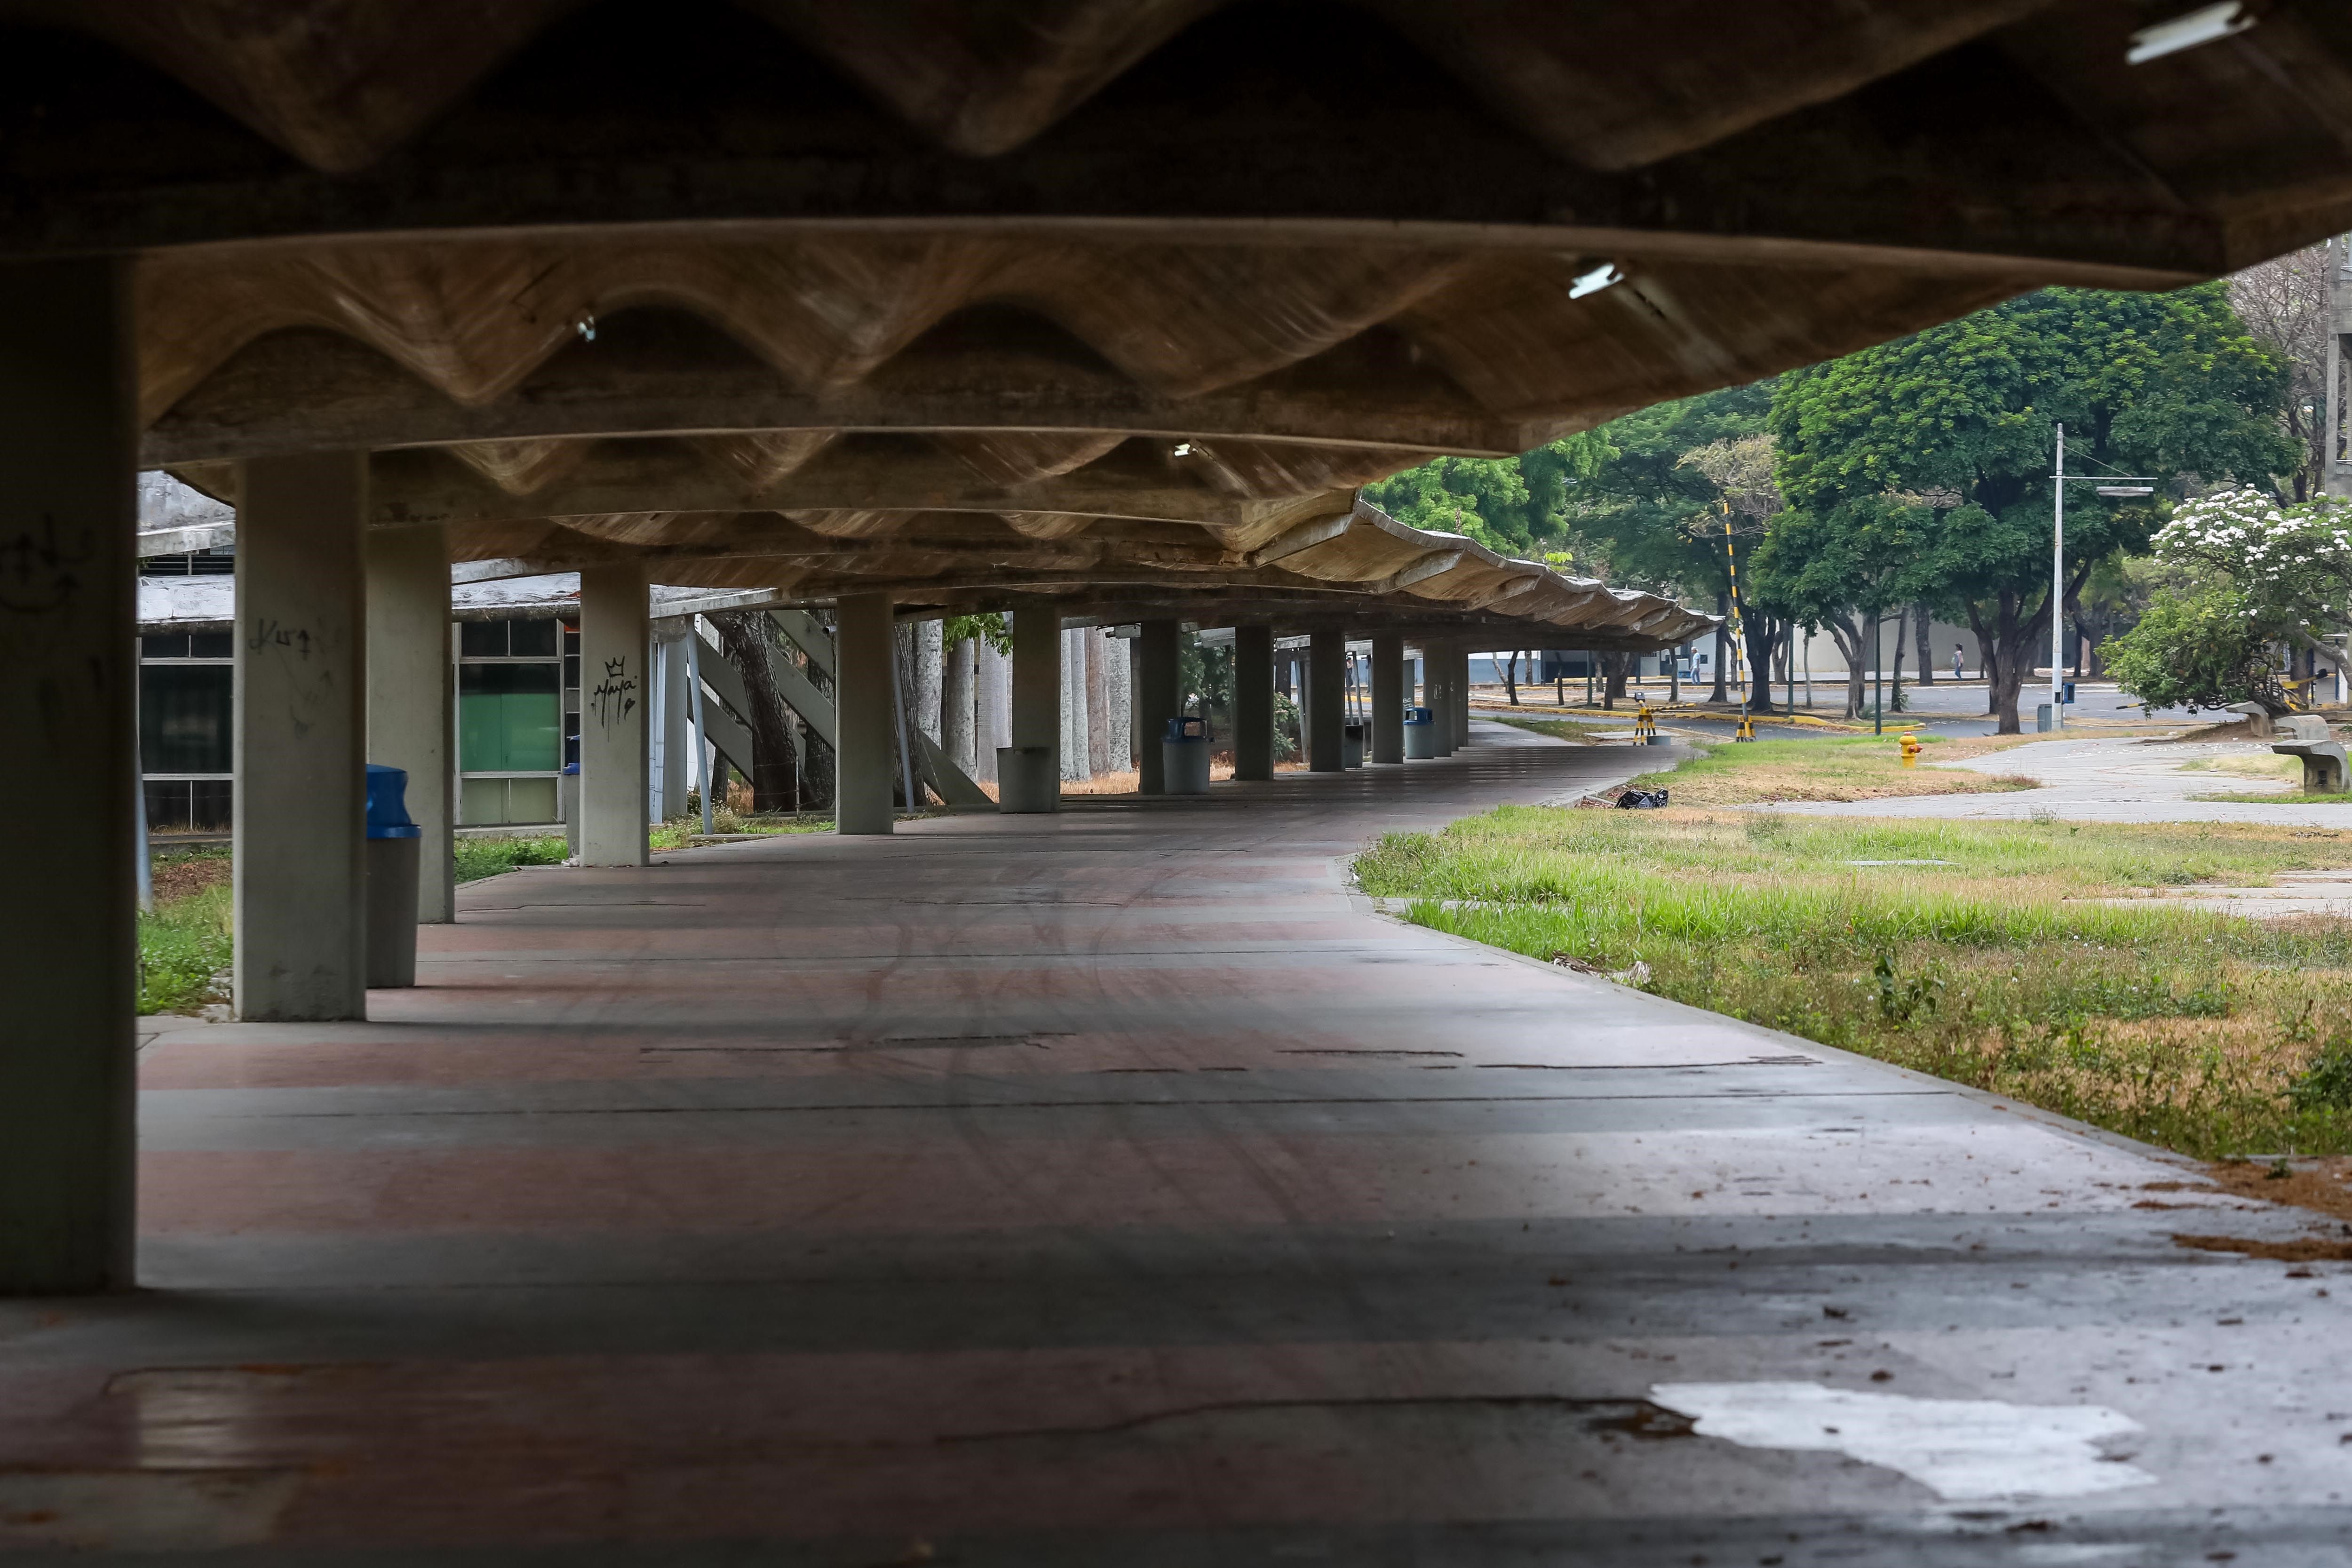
{"x":2106,"y":780}
{"x":1116,"y":1187}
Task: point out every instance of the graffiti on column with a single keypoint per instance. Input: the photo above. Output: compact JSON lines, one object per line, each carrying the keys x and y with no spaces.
{"x":38,"y":573}
{"x":275,"y":633}
{"x":614,"y":695}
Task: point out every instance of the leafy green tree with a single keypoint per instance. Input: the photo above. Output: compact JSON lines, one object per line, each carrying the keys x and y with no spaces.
{"x":2199,"y":648}
{"x":1957,"y":422}
{"x":1512,"y":505}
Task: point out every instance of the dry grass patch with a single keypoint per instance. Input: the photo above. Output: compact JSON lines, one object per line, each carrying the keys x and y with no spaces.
{"x":1763,"y":772}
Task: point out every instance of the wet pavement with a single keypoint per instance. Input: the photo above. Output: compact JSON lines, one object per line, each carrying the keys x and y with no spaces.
{"x":1117,"y":1187}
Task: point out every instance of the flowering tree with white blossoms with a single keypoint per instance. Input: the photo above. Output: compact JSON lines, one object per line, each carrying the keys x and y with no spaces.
{"x":2269,"y":575}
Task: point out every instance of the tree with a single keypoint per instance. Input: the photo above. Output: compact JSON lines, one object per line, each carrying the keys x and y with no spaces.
{"x":1747,"y":497}
{"x":1943,"y":440}
{"x":1511,"y":505}
{"x":2286,"y":303}
{"x":1841,"y":570}
{"x":2204,"y":648}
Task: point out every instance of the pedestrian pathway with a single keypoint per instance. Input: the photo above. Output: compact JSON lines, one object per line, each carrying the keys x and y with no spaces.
{"x":1120,"y":1187}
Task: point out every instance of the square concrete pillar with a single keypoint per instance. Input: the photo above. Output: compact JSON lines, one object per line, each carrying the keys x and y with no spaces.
{"x":1388,"y":698}
{"x":67,"y":511}
{"x":412,"y":696}
{"x":615,"y":715}
{"x":865,"y":686}
{"x":302,"y":733}
{"x":1437,"y":669}
{"x":1158,"y":679}
{"x":1254,"y":702}
{"x":673,"y":732}
{"x":1034,"y":783}
{"x":1458,"y":692}
{"x":1327,"y":712}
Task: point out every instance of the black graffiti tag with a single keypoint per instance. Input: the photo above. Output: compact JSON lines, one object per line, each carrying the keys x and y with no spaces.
{"x":275,"y":634}
{"x":614,"y":695}
{"x":37,"y":573}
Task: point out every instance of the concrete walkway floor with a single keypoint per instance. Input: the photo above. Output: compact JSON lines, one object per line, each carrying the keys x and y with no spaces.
{"x":1116,"y":1188}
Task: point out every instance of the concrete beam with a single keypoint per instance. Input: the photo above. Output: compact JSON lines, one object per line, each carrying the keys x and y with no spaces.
{"x":616,"y":714}
{"x":1254,"y":702}
{"x":412,"y":696}
{"x":301,"y":728}
{"x":866,"y":752}
{"x":66,"y":694}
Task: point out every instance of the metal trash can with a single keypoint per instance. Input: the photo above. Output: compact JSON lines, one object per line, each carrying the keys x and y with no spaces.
{"x":1184,"y":757}
{"x":393,"y":844}
{"x":1028,"y":779}
{"x":1420,"y":734}
{"x":2041,"y":718}
{"x":1351,"y":744}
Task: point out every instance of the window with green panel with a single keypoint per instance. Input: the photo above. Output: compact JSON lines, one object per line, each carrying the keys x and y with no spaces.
{"x":509,"y":718}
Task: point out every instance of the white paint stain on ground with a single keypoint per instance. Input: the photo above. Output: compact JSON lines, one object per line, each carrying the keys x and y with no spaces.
{"x":1964,"y":1448}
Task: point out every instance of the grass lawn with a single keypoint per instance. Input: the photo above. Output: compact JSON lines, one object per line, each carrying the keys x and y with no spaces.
{"x":1584,"y":732}
{"x":1867,"y":767}
{"x":1991,"y":966}
{"x":187,"y":941}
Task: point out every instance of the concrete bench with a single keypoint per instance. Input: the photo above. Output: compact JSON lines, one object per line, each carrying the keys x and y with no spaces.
{"x":2305,"y":735}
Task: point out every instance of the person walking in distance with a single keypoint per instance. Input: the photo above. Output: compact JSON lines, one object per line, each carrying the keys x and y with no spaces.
{"x":1956,"y":661}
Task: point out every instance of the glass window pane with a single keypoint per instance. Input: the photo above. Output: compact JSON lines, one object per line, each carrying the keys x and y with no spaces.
{"x":482,"y":639}
{"x":167,"y":806}
{"x":169,"y":645}
{"x":185,"y":711}
{"x":211,"y":645}
{"x":531,"y":639}
{"x":209,"y":803}
{"x":507,"y":718}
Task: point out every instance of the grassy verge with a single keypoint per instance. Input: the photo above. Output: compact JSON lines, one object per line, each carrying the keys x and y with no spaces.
{"x":1863,"y":768}
{"x":480,"y":857}
{"x":1990,"y":966}
{"x":1581,"y":733}
{"x":185,"y":943}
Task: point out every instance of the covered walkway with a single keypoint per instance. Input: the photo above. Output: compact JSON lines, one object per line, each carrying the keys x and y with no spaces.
{"x":1115,"y":1186}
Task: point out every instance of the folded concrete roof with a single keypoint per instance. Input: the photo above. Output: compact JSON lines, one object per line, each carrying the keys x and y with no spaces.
{"x":955,"y":284}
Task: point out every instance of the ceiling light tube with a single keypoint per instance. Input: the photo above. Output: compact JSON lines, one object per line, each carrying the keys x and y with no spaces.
{"x":2187,"y":30}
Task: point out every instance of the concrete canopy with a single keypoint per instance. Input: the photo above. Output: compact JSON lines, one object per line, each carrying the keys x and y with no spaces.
{"x":1101,"y":299}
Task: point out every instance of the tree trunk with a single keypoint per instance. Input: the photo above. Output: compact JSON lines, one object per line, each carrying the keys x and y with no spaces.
{"x":1926,"y":646}
{"x":1902,"y":632}
{"x":1763,"y":631}
{"x":1511,"y":677}
{"x":1722,"y":645}
{"x":744,"y":634}
{"x":1846,"y":632}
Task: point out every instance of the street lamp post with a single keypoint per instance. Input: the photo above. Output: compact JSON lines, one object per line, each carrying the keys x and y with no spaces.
{"x":2115,"y":486}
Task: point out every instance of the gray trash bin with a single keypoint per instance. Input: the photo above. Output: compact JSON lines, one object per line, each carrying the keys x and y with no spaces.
{"x":1420,"y":734}
{"x":1351,"y":743}
{"x":393,"y":844}
{"x":1028,"y":779}
{"x":568,"y":801}
{"x":1184,"y":757}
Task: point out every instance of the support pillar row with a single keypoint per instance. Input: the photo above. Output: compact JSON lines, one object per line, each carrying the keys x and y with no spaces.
{"x":1033,"y":784}
{"x":865,"y":753}
{"x":411,"y":696}
{"x":1388,"y":698}
{"x":301,"y":732}
{"x":616,"y":708}
{"x":69,"y":448}
{"x":1327,"y":676}
{"x":1159,"y":676}
{"x":1254,"y":702}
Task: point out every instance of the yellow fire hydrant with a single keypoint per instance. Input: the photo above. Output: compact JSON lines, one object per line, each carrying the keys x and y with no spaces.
{"x":1910,"y":750}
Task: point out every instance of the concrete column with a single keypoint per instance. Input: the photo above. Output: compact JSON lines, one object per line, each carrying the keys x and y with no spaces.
{"x":302,"y":730}
{"x":674,"y":771}
{"x":1437,"y":673}
{"x":865,"y":748}
{"x":412,"y":695}
{"x":1327,"y":713}
{"x":1158,"y":674}
{"x":1458,"y":691}
{"x":68,"y":445}
{"x":1254,"y":702}
{"x":615,"y":715}
{"x":1077,"y":761}
{"x":1388,"y":698}
{"x":1036,"y":718}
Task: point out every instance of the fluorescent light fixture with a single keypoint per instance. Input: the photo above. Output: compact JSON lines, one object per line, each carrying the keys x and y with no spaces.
{"x":2126,"y":489}
{"x":1183,"y":450}
{"x":2187,"y":30}
{"x":1594,"y":281}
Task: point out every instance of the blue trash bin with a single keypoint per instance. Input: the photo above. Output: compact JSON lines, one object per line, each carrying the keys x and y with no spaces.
{"x":1420,"y":733}
{"x":395,"y":842}
{"x":1184,"y":757}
